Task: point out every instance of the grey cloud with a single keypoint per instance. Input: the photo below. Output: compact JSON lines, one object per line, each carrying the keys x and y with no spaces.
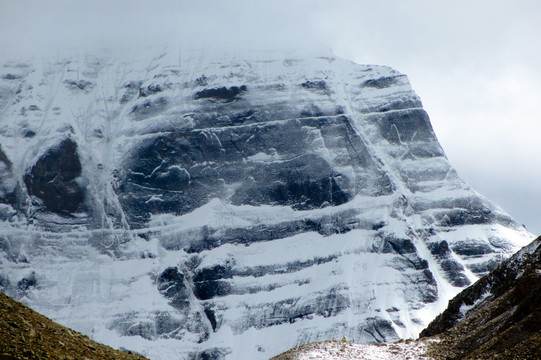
{"x":475,"y":64}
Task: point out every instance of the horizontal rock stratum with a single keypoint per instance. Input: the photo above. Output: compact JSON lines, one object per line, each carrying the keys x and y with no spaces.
{"x":232,"y":205}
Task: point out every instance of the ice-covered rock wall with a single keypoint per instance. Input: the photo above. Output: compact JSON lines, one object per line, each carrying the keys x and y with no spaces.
{"x":232,"y":206}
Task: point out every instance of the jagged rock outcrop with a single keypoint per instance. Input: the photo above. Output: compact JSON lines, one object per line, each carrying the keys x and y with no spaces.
{"x":204,"y":205}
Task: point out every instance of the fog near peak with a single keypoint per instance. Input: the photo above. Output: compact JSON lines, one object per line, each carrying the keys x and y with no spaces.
{"x":44,"y":27}
{"x":475,"y":64}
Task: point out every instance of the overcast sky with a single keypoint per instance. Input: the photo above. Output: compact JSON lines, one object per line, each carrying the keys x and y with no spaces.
{"x":476,"y":64}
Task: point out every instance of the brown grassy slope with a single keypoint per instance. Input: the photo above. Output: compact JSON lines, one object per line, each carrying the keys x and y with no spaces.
{"x":507,"y":325}
{"x":25,"y":334}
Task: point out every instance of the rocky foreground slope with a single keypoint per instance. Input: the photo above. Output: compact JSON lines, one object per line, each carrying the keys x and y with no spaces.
{"x":186,"y":204}
{"x":25,"y":334}
{"x":499,"y":317}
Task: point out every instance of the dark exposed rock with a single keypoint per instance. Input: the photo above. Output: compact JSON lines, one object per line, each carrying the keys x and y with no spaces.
{"x":159,"y":324}
{"x":312,"y":110}
{"x":29,"y":134}
{"x":243,"y":117}
{"x":223,"y":93}
{"x":201,"y":81}
{"x":150,"y":90}
{"x":83,"y":85}
{"x":320,"y":85}
{"x":4,"y":160}
{"x":210,"y":354}
{"x":27,"y":282}
{"x":171,"y":284}
{"x":484,"y":267}
{"x":5,"y":284}
{"x":186,"y":177}
{"x":213,"y":273}
{"x":397,"y":105}
{"x":54,"y":179}
{"x":400,"y":246}
{"x":211,"y":317}
{"x":211,"y":282}
{"x":404,"y":126}
{"x":439,"y":249}
{"x":205,"y":290}
{"x":223,"y":272}
{"x":454,"y":272}
{"x":378,"y":225}
{"x":382,"y":82}
{"x":471,"y":248}
{"x":130,"y":92}
{"x":208,"y":282}
{"x":148,"y":108}
{"x":291,"y":310}
{"x":211,"y":238}
{"x":8,"y":189}
{"x":460,"y":217}
{"x":12,"y":77}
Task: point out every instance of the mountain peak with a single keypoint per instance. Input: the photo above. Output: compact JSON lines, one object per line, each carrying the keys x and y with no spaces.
{"x":212,"y":203}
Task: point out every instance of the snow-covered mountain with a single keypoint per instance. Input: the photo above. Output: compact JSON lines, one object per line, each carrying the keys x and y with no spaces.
{"x":195,"y":205}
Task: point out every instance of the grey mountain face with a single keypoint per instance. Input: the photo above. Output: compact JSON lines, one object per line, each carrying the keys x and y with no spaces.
{"x":232,"y":206}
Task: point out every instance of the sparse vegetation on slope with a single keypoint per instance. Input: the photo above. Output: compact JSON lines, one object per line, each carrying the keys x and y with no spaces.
{"x":25,"y":334}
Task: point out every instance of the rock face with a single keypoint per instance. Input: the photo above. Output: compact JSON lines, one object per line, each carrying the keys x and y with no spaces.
{"x":497,"y":317}
{"x":203,"y":206}
{"x":53,"y":179}
{"x":7,"y":182}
